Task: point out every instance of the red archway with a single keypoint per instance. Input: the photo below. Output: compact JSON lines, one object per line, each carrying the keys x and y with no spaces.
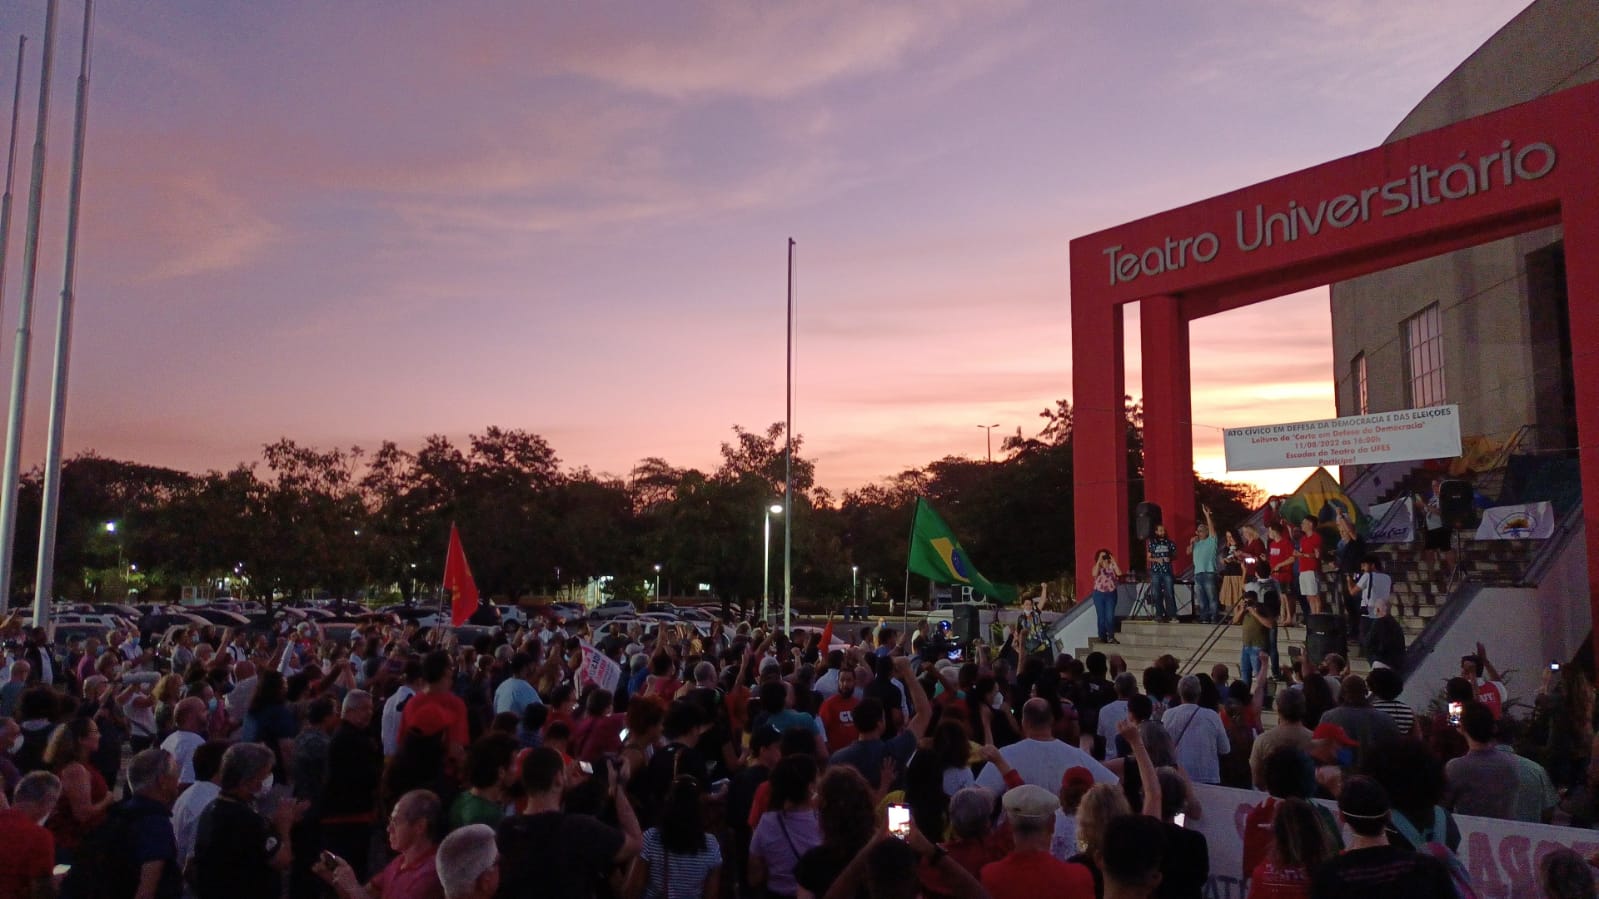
{"x":1493,"y":176}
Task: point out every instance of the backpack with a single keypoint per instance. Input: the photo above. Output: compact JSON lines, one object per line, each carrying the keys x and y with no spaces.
{"x":103,"y":866}
{"x":1432,"y":844}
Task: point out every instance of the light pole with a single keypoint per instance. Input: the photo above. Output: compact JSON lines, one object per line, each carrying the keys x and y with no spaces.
{"x":854,"y":585}
{"x":111,"y":528}
{"x":989,"y":430}
{"x":657,"y":582}
{"x":766,"y":565}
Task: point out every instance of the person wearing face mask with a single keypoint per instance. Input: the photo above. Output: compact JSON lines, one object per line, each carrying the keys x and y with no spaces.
{"x":27,"y":848}
{"x":240,"y":853}
{"x":189,"y":716}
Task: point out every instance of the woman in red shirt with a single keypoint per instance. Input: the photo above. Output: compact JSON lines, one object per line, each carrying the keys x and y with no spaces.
{"x":84,"y":794}
{"x":1280,"y":556}
{"x":1299,"y":845}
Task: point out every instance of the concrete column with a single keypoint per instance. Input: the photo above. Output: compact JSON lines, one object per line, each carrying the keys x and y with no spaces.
{"x":1581,"y":221}
{"x":1168,"y":416}
{"x":1099,"y":447}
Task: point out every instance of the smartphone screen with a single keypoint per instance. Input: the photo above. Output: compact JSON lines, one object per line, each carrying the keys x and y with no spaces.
{"x":585,"y":767}
{"x":1554,"y":666}
{"x":1455,"y":709}
{"x":1180,"y":819}
{"x":899,"y":820}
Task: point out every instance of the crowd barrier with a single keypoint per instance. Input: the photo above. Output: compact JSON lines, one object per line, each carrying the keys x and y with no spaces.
{"x":1502,"y":856}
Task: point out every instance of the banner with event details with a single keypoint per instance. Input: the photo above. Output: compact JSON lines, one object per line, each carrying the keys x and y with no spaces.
{"x":1501,"y":856}
{"x":1522,"y":521}
{"x":1395,"y":522}
{"x":1401,"y":436}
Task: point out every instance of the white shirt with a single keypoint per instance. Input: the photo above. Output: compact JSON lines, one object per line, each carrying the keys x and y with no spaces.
{"x":1112,"y":714}
{"x":1374,"y":585}
{"x":186,"y":816}
{"x":239,"y":698}
{"x":827,"y":684}
{"x":1199,"y":740}
{"x":182,"y":744}
{"x":1042,"y":763}
{"x":391,"y":719}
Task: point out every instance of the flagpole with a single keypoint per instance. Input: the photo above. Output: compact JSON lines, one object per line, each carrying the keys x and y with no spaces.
{"x":44,"y":583}
{"x":910,"y":546}
{"x":788,"y":460}
{"x":11,"y":171}
{"x":10,"y":473}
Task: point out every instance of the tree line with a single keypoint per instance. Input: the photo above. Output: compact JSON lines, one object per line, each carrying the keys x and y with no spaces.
{"x":374,"y":524}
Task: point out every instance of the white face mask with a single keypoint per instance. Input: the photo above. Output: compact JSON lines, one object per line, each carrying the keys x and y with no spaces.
{"x":998,"y":702}
{"x":265,"y":788}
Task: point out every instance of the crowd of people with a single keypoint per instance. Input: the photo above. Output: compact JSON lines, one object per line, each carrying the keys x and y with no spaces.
{"x":615,"y":763}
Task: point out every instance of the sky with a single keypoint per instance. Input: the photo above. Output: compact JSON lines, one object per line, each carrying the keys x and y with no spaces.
{"x":345,"y":223}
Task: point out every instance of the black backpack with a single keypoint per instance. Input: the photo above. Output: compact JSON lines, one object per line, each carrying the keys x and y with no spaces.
{"x":103,"y":866}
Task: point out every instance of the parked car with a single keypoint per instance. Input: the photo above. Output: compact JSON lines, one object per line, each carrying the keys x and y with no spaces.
{"x":221,"y":617}
{"x":615,"y":608}
{"x":105,"y":620}
{"x":161,"y":622}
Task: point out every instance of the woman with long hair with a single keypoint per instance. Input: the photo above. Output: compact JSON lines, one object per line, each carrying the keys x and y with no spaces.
{"x":85,"y":797}
{"x":1232,"y":573}
{"x":1106,"y":575}
{"x":1299,"y":844}
{"x":788,"y":830}
{"x":1253,"y":554}
{"x":270,"y":722}
{"x":679,"y":859}
{"x":849,"y":821}
{"x":952,"y":748}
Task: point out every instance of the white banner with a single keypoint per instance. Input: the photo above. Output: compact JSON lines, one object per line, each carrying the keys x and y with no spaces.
{"x":1405,"y":435}
{"x":1501,"y":856}
{"x":597,"y":669}
{"x":1527,"y":521}
{"x":1396,"y":522}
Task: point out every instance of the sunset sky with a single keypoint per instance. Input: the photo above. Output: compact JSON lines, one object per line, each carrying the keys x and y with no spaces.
{"x":346,"y":222}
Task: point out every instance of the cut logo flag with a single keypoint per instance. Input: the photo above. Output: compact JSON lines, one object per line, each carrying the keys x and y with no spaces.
{"x":937,"y":555}
{"x":458,"y":581}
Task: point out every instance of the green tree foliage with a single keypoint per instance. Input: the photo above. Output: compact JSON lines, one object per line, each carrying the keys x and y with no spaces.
{"x":347,"y":522}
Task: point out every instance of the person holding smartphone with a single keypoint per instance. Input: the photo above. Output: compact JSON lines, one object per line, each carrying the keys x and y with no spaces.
{"x":412,"y":874}
{"x":1106,"y":574}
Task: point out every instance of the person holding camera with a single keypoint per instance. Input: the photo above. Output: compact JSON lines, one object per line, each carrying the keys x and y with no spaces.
{"x":1106,"y":574}
{"x":1259,"y":618}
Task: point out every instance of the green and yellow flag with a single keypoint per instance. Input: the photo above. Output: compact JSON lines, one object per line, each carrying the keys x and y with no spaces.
{"x":1321,"y":498}
{"x":937,"y":555}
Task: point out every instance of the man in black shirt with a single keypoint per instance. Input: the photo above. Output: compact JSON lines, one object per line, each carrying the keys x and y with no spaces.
{"x":238,"y":852}
{"x":354,"y":760}
{"x":1371,"y":866}
{"x":547,"y":852}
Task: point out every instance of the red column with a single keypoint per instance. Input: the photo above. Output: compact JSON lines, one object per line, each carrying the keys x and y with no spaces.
{"x":1099,"y":448}
{"x":1580,"y":219}
{"x":1168,"y":416}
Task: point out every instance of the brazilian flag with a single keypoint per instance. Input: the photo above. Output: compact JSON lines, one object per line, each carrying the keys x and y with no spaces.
{"x":937,"y":555}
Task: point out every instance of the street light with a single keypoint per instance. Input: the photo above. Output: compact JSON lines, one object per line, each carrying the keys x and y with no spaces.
{"x":657,"y":582}
{"x":766,"y":565}
{"x":854,"y":587}
{"x":989,"y":430}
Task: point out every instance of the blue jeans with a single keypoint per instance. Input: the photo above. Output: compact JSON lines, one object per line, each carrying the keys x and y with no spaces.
{"x":1105,"y":608}
{"x":1247,"y":661}
{"x":1162,"y":594}
{"x":1207,"y":588}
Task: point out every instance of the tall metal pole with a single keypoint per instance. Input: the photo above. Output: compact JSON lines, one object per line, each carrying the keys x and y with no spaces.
{"x":19,"y":362}
{"x":11,"y":171}
{"x":989,"y":430}
{"x":766,"y":574}
{"x":44,"y":584}
{"x":788,"y":460}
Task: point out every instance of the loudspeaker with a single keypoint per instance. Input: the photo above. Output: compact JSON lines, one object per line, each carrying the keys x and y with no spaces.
{"x":1454,"y":504}
{"x":967,"y":624}
{"x":1146,"y":518}
{"x":1324,"y":634}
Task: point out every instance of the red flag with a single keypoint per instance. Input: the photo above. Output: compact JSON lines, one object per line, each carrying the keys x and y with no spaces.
{"x":458,"y":580}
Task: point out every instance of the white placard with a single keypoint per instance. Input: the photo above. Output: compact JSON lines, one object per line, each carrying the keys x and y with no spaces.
{"x":1402,"y":436}
{"x":599,"y":670}
{"x":1501,"y":856}
{"x":1396,"y":522}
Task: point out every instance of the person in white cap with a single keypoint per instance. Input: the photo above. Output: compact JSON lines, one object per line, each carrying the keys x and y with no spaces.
{"x":1030,"y":871}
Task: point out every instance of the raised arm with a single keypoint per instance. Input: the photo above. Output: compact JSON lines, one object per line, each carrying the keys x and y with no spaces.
{"x":1146,"y":768}
{"x":922,"y":714}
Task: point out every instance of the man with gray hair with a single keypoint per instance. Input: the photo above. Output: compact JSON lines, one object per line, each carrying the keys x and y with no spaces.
{"x":27,"y":849}
{"x":1029,"y":869}
{"x":240,"y":853}
{"x":468,"y":863}
{"x":134,"y":852}
{"x":1290,"y":732}
{"x":1126,"y":687}
{"x":1199,"y":739}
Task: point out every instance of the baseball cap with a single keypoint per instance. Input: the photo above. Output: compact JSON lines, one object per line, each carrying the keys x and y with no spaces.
{"x":1329,"y":731}
{"x":1077,"y":776}
{"x":1030,"y":801}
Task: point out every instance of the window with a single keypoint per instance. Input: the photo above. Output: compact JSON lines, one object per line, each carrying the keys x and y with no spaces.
{"x":1424,"y":357}
{"x":1357,"y":372}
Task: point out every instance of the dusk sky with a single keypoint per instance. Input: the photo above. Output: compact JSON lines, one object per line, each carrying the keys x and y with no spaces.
{"x":355,"y":221}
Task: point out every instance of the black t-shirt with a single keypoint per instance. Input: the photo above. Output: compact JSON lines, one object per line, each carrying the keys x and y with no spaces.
{"x":1382,"y":871}
{"x":1185,"y":866}
{"x":233,"y":849}
{"x":746,"y":782}
{"x":885,"y":690}
{"x":554,"y":854}
{"x":820,"y":866}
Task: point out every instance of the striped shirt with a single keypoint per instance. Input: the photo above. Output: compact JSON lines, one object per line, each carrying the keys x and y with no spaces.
{"x":1404,"y":716}
{"x":688,"y":873}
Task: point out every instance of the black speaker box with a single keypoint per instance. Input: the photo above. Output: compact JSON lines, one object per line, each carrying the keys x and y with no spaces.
{"x":1324,"y":634}
{"x":1146,"y":518}
{"x":1454,"y":504}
